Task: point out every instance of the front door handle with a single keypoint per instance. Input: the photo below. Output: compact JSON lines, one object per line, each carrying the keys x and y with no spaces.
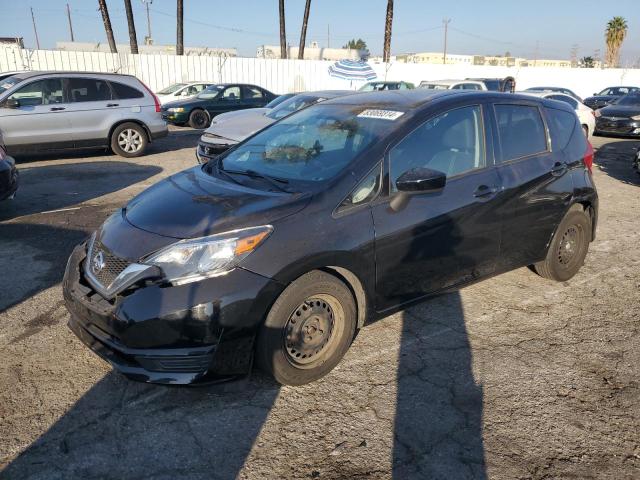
{"x":559,"y":168}
{"x":112,"y":104}
{"x":485,"y":191}
{"x":57,"y":109}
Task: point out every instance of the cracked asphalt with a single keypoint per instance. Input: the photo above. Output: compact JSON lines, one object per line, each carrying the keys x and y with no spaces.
{"x":514,"y":377}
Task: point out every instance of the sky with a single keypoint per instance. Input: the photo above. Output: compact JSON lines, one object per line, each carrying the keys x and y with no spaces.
{"x":488,"y":27}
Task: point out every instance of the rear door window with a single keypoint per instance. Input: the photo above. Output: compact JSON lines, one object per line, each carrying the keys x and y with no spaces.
{"x":87,"y":90}
{"x":521,"y":131}
{"x":565,"y":99}
{"x":41,"y":92}
{"x":124,"y":92}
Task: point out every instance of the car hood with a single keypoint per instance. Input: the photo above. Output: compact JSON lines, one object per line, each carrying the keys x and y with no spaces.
{"x":620,"y":111}
{"x":194,"y":204}
{"x":240,"y":126}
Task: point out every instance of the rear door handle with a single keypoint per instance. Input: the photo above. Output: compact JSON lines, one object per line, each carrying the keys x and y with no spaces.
{"x":57,"y":109}
{"x":559,"y":169}
{"x":112,"y":104}
{"x":485,"y":191}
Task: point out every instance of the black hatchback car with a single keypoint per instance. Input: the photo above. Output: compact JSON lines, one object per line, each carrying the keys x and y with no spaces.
{"x":349,"y":210}
{"x":620,"y":118}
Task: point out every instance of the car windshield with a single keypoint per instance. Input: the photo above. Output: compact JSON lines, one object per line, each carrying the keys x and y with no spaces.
{"x":369,"y":87}
{"x":7,"y":83}
{"x":434,"y":86}
{"x":278,"y":100}
{"x":312,"y":145}
{"x":211,"y":91}
{"x":292,"y":105}
{"x":632,"y":99}
{"x":172,"y":89}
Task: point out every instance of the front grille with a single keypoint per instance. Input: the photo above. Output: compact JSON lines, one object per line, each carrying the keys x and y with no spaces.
{"x":213,"y":151}
{"x":106,"y":268}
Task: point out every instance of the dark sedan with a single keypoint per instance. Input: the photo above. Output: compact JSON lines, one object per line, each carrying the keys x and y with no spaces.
{"x":607,"y":96}
{"x":621,"y":118}
{"x":199,"y":110}
{"x":8,"y":176}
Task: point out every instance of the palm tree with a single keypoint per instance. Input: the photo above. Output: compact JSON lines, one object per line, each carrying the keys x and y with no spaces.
{"x":133,"y":39}
{"x":387,"y":32}
{"x":180,"y":30}
{"x":283,"y":34}
{"x":107,"y":25}
{"x":615,"y":34}
{"x":303,"y":34}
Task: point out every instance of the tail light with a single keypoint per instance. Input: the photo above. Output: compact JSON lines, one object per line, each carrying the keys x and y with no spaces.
{"x":155,"y":97}
{"x":588,"y":157}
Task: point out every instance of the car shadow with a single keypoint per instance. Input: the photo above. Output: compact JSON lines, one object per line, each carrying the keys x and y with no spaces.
{"x":53,"y":187}
{"x":616,"y":159}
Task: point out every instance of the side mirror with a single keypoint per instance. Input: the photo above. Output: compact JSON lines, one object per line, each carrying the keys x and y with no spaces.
{"x":12,"y":103}
{"x":421,"y":180}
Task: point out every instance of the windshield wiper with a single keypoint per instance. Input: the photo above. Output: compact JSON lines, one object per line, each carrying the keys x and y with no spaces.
{"x":221,"y":172}
{"x":273,"y":181}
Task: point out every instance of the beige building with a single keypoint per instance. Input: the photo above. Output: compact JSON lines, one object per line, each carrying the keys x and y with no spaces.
{"x":312,"y":52}
{"x":147,"y":49}
{"x":435,"y":58}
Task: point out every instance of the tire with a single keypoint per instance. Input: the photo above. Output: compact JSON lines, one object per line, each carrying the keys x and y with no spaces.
{"x":199,"y":119}
{"x":318,"y":307}
{"x":129,"y":140}
{"x":568,"y":248}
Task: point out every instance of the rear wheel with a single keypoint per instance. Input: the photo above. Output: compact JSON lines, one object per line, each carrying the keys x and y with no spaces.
{"x":198,"y":119}
{"x":568,"y":248}
{"x":308,"y":329}
{"x":129,"y":140}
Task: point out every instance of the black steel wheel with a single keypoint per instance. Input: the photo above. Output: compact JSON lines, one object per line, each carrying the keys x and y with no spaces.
{"x":199,"y":119}
{"x":308,"y":329}
{"x":568,"y":248}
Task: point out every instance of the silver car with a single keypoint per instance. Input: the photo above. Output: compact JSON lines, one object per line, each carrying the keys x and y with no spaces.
{"x":228,"y":129}
{"x":45,"y":111}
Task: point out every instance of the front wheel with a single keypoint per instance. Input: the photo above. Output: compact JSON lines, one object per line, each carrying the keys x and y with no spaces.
{"x":198,"y":119}
{"x":308,"y":329}
{"x":129,"y":140}
{"x":568,"y":248}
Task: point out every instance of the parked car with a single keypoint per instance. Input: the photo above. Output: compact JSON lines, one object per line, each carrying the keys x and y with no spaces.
{"x":179,"y":91}
{"x":341,"y":213}
{"x":585,"y":114}
{"x":278,"y":100}
{"x":4,"y":75}
{"x":608,"y":95}
{"x":566,"y":91}
{"x":380,"y":86}
{"x":452,"y":85}
{"x":636,"y":162}
{"x":228,"y":129}
{"x":621,"y":117}
{"x":46,"y":111}
{"x":507,"y":84}
{"x":199,"y":110}
{"x":8,"y":176}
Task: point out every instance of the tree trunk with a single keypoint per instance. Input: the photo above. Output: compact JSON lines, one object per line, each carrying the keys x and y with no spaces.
{"x":133,"y":39}
{"x":107,"y":25}
{"x":387,"y":32}
{"x":303,"y":34}
{"x":283,"y":32}
{"x":180,"y":19}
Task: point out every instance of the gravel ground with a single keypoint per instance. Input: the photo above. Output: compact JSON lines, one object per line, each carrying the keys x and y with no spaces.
{"x":514,"y":377}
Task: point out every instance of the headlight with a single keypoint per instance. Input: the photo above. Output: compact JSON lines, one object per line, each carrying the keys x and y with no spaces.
{"x":194,"y":259}
{"x":637,"y":117}
{"x":176,"y":109}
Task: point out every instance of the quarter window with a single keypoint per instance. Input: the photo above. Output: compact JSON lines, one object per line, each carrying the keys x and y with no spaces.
{"x":365,"y":191}
{"x":521,"y":131}
{"x":252,"y":93}
{"x":231,"y":93}
{"x":88,"y":90}
{"x":42,"y":92}
{"x":124,"y":92}
{"x":561,"y":126}
{"x":452,"y":143}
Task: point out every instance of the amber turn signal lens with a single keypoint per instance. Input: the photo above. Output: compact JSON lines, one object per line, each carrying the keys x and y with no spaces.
{"x":247,"y":244}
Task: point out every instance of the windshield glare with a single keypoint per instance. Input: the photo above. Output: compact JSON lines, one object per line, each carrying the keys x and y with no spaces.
{"x":292,"y":105}
{"x":7,"y":83}
{"x":210,"y":92}
{"x":312,"y":145}
{"x":172,"y":89}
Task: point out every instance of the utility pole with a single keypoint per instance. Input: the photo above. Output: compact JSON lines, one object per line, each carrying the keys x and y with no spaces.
{"x":328,"y":37}
{"x":148,"y":40}
{"x":133,"y":38}
{"x":446,"y":23}
{"x":35,"y":30}
{"x":179,"y":32}
{"x":70,"y":24}
{"x":283,"y":30}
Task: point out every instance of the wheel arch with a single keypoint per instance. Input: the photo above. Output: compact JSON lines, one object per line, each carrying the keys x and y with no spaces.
{"x":357,"y":290}
{"x":130,"y":120}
